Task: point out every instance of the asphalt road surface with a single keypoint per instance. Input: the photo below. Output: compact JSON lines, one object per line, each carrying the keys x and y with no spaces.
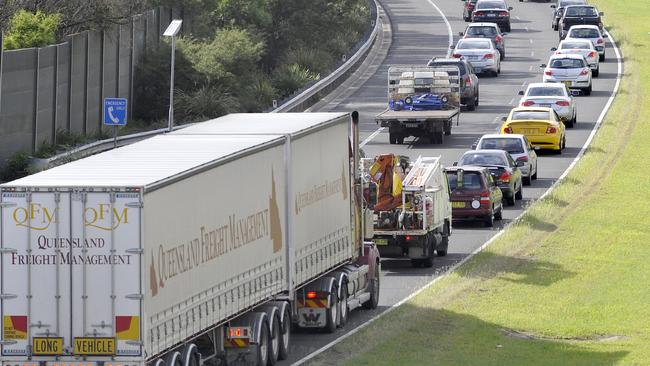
{"x":419,"y":33}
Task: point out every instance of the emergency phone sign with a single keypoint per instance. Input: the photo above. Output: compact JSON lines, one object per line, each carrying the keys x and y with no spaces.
{"x":115,"y":111}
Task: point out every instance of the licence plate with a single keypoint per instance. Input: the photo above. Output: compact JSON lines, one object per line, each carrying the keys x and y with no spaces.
{"x":491,"y":15}
{"x":94,"y":346}
{"x":380,"y":241}
{"x":458,"y":204}
{"x":545,"y":105}
{"x":47,"y":346}
{"x":567,"y":82}
{"x":411,"y":125}
{"x":529,"y":131}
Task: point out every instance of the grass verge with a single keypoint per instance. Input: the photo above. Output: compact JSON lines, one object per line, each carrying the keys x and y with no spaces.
{"x":567,"y":284}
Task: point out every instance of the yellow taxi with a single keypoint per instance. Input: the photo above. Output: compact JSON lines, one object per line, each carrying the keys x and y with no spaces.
{"x":542,"y":126}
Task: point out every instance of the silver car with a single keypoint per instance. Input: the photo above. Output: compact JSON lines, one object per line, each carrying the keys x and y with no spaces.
{"x":580,"y":47}
{"x":590,"y":32}
{"x":481,"y":54}
{"x":487,"y":30}
{"x":518,"y":147}
{"x":570,"y":70}
{"x":551,"y":95}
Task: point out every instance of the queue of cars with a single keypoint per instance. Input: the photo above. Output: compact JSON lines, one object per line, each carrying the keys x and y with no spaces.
{"x":507,"y":161}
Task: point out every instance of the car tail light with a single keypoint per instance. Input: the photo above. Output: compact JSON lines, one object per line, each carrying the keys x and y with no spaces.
{"x":498,"y":39}
{"x":558,"y":52}
{"x":551,"y":129}
{"x":523,"y":158}
{"x":527,"y":103}
{"x":507,"y":129}
{"x":457,"y":55}
{"x":505,"y":177}
{"x":591,"y":54}
{"x":485,"y":196}
{"x":503,"y":14}
{"x":479,"y":14}
{"x":548,"y":72}
{"x":600,"y":41}
{"x":408,"y":238}
{"x":488,"y":56}
{"x":584,"y":72}
{"x":562,"y":103}
{"x":468,"y":81}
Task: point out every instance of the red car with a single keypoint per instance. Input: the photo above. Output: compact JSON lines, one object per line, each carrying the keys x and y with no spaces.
{"x":468,"y":8}
{"x":474,"y":194}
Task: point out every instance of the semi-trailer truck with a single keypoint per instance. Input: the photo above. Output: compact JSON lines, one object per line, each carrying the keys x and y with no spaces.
{"x":205,"y":245}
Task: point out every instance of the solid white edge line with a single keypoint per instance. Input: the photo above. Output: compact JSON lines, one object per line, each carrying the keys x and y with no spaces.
{"x":450,"y":33}
{"x":601,"y":117}
{"x":372,"y":136}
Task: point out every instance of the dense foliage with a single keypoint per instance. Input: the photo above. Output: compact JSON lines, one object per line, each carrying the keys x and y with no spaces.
{"x":31,"y":30}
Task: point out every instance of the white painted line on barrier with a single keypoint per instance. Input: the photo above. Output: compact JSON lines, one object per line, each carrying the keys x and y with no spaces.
{"x":497,"y":235}
{"x":449,"y":31}
{"x":512,"y":101}
{"x":372,"y":136}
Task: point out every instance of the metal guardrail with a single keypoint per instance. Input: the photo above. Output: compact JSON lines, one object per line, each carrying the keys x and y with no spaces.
{"x":304,"y":100}
{"x":301,"y":100}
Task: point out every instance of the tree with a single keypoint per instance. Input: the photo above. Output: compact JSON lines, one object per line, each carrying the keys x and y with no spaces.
{"x":31,"y":30}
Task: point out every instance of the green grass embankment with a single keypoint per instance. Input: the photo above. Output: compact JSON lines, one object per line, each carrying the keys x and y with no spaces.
{"x":569,"y":284}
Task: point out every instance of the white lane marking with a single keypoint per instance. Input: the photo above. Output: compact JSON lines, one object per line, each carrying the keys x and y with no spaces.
{"x":524,"y":84}
{"x":530,"y":68}
{"x":526,"y":28}
{"x":449,"y":31}
{"x":512,"y":101}
{"x":530,"y":40}
{"x":372,"y":136}
{"x":532,"y":53}
{"x":517,"y":17}
{"x":492,"y":239}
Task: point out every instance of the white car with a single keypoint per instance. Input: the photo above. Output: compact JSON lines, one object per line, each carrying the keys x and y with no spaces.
{"x":580,"y":47}
{"x":570,"y":70}
{"x":481,"y":54}
{"x":590,"y":32}
{"x":551,"y":95}
{"x":518,"y":147}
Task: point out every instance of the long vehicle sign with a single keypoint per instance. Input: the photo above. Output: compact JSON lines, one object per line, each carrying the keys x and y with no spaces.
{"x":94,"y":346}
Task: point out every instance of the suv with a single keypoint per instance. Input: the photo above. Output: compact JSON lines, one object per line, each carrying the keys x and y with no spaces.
{"x":579,"y":15}
{"x":487,"y":30}
{"x":559,"y":10}
{"x":468,"y":8}
{"x":474,"y":194}
{"x":469,"y":89}
{"x":493,"y":11}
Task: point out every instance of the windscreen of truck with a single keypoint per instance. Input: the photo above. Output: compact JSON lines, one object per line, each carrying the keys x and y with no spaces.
{"x":511,"y":145}
{"x":471,"y":180}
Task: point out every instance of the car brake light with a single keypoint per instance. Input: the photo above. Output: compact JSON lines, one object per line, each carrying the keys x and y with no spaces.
{"x":507,"y":129}
{"x":485,"y":196}
{"x":503,"y":14}
{"x":523,"y":158}
{"x":548,"y":72}
{"x":562,"y":103}
{"x":468,"y":81}
{"x":488,"y":55}
{"x":591,"y":54}
{"x":505,"y":177}
{"x":457,"y":55}
{"x":558,"y":52}
{"x":408,"y":238}
{"x":584,"y":72}
{"x":600,"y":41}
{"x":527,"y":103}
{"x":498,"y":39}
{"x":551,"y":129}
{"x":479,"y":14}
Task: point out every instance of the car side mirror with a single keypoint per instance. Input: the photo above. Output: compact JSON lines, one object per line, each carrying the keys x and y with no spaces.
{"x":575,"y":92}
{"x":510,"y":8}
{"x":553,"y":49}
{"x":521,"y":92}
{"x":474,"y":146}
{"x":553,"y":7}
{"x":601,"y":14}
{"x":455,"y":163}
{"x":451,"y":47}
{"x":461,"y":34}
{"x":504,"y":33}
{"x":520,"y":163}
{"x":542,"y":66}
{"x":504,"y":118}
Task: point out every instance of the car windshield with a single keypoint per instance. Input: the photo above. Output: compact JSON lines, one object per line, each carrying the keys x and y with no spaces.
{"x":545,"y":91}
{"x":575,"y":46}
{"x":471,"y":180}
{"x":565,"y":3}
{"x":483,"y":158}
{"x":482,"y":31}
{"x":581,"y":11}
{"x":490,"y":5}
{"x":473,"y":45}
{"x":530,"y":115}
{"x":511,"y":145}
{"x":584,"y":33}
{"x":567,"y":63}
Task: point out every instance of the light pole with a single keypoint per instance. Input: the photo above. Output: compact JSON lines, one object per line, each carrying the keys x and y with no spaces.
{"x":171,"y":31}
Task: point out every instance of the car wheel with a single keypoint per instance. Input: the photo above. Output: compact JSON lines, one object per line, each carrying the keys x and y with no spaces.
{"x":596,"y":72}
{"x":508,"y":29}
{"x":499,"y":215}
{"x":601,"y":58}
{"x":503,"y":55}
{"x":400,"y":140}
{"x":471,"y":105}
{"x":527,"y":179}
{"x":588,"y":90}
{"x":534,"y":176}
{"x":477,"y":98}
{"x":520,"y":193}
{"x":511,"y":200}
{"x":489,"y":220}
{"x":569,"y":123}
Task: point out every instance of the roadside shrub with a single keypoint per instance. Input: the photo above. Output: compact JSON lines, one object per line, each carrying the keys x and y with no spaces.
{"x":289,"y":78}
{"x":28,"y":29}
{"x":207,"y":102}
{"x":16,"y":167}
{"x":317,"y":60}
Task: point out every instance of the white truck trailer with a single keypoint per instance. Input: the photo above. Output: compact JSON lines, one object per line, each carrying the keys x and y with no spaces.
{"x":193,"y":247}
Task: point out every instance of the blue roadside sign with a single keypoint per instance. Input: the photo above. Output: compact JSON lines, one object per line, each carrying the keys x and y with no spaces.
{"x":115,"y":111}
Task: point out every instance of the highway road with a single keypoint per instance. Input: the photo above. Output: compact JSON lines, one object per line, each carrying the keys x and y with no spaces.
{"x":419,"y":32}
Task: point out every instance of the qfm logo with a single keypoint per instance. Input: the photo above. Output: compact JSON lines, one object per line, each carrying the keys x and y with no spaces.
{"x":39,"y":217}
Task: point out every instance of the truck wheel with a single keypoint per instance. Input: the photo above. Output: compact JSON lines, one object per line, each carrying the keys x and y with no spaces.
{"x":343,"y":306}
{"x":262,"y":354}
{"x":285,"y":336}
{"x":392,"y":139}
{"x":428,"y":261}
{"x":274,"y":346}
{"x":448,"y":128}
{"x":174,"y":359}
{"x":374,"y":291}
{"x":332,"y":312}
{"x":437,"y":137}
{"x":190,"y":355}
{"x":442,"y":250}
